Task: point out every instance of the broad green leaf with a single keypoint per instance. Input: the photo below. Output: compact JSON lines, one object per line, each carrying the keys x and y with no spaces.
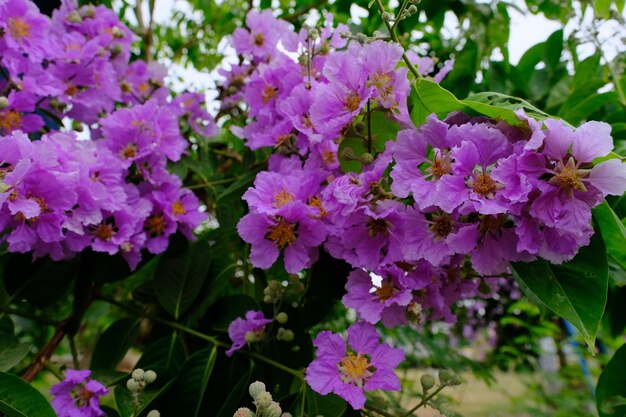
{"x":586,"y":70}
{"x":602,"y":8}
{"x":19,"y":399}
{"x":114,"y":343}
{"x":612,"y":385}
{"x":166,"y":353}
{"x":179,"y":277}
{"x":193,"y":379}
{"x":11,"y":351}
{"x":576,"y":290}
{"x":235,"y":395}
{"x":552,"y":51}
{"x":350,"y":150}
{"x":326,"y":405}
{"x":384,"y":129}
{"x":613,"y":232}
{"x":436,"y":99}
{"x":503,"y":101}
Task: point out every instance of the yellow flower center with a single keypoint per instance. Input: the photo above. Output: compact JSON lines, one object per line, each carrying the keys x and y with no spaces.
{"x":129,"y":151}
{"x":353,"y":101}
{"x":104,"y":232}
{"x":155,"y":225}
{"x":378,"y":227}
{"x":442,"y":225}
{"x":492,"y":224}
{"x":259,"y":39}
{"x":178,"y":208}
{"x":317,"y":202}
{"x":18,"y":28}
{"x":484,"y":185}
{"x":268,"y":93}
{"x":10,"y":121}
{"x":282,"y":234}
{"x":355,"y":369}
{"x":441,"y":166}
{"x":385,"y":291}
{"x":569,"y":177}
{"x":282,"y":197}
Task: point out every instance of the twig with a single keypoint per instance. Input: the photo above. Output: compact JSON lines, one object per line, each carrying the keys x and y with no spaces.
{"x":399,"y":16}
{"x":44,"y":354}
{"x":424,"y":401}
{"x":30,"y":316}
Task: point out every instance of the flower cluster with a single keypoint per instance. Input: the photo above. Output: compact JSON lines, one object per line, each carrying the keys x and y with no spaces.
{"x":114,"y":194}
{"x":78,"y":395}
{"x":434,"y":210}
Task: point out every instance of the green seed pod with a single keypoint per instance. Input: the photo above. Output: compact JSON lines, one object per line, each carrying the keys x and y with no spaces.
{"x":255,"y":389}
{"x":427,"y":382}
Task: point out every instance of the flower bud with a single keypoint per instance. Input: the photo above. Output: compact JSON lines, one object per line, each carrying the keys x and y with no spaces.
{"x":263,"y":400}
{"x":133,"y":386}
{"x":74,"y":17}
{"x":286,"y":415}
{"x":360,"y":127}
{"x":412,"y":9}
{"x":138,"y":374}
{"x":456,"y":380}
{"x":386,"y":16}
{"x":4,"y":102}
{"x":251,"y":337}
{"x":282,"y":317}
{"x":117,"y":32}
{"x":116,"y":50}
{"x":153,"y":413}
{"x":268,"y":299}
{"x":427,"y":382}
{"x":243,"y":412}
{"x":361,"y":38}
{"x":256,"y":388}
{"x":314,"y":34}
{"x":273,"y":410}
{"x":285,"y":335}
{"x":445,"y":376}
{"x":88,"y":11}
{"x":149,"y":377}
{"x":367,"y":158}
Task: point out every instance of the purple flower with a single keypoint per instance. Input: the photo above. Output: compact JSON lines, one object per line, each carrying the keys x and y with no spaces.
{"x":291,"y":230}
{"x":261,"y":40}
{"x":78,"y":395}
{"x":367,"y":366}
{"x":241,"y":330}
{"x":24,"y":28}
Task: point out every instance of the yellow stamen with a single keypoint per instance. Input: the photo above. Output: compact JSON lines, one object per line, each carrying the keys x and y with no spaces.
{"x":18,"y":28}
{"x":355,"y":369}
{"x":155,"y":225}
{"x":178,"y":208}
{"x":282,"y":234}
{"x":353,"y":102}
{"x":283,"y":197}
{"x":10,"y":120}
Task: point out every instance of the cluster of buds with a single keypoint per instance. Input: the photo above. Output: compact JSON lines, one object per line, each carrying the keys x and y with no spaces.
{"x":262,"y":400}
{"x":275,"y":292}
{"x":138,"y":382}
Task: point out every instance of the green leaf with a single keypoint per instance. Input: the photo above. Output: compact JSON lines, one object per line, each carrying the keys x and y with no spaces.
{"x":611,"y":384}
{"x":11,"y":351}
{"x":576,"y":290}
{"x":357,"y":148}
{"x":235,"y":395}
{"x":602,"y":8}
{"x":179,"y":277}
{"x":613,"y":232}
{"x":19,"y":399}
{"x":114,"y":343}
{"x":167,"y":352}
{"x":435,"y":99}
{"x":326,"y":405}
{"x":497,"y":101}
{"x":588,"y":69}
{"x":193,"y":380}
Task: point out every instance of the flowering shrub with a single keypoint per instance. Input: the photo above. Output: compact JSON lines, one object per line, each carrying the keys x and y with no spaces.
{"x":345,"y":201}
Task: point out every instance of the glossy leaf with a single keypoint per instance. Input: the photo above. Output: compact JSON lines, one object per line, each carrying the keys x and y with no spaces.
{"x":193,"y":379}
{"x":114,"y":343}
{"x":11,"y":351}
{"x":576,"y":290}
{"x":19,"y":399}
{"x":613,"y":232}
{"x":612,"y":385}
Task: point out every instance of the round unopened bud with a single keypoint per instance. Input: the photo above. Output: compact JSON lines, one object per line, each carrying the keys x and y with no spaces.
{"x":149,"y":377}
{"x":282,"y":317}
{"x":412,"y":9}
{"x":455,"y":380}
{"x":255,"y":389}
{"x":360,"y":127}
{"x":314,"y":34}
{"x":286,"y":415}
{"x":133,"y":386}
{"x":4,"y":102}
{"x":268,"y":299}
{"x":386,"y":16}
{"x":153,"y":413}
{"x":116,"y":50}
{"x":74,"y":17}
{"x":348,"y":154}
{"x":361,"y":38}
{"x":243,"y":412}
{"x":427,"y":382}
{"x":445,"y":376}
{"x":263,"y":400}
{"x":117,"y":32}
{"x":138,"y":374}
{"x":285,"y":335}
{"x":251,"y":337}
{"x":367,"y":158}
{"x":88,"y":11}
{"x":273,"y":410}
